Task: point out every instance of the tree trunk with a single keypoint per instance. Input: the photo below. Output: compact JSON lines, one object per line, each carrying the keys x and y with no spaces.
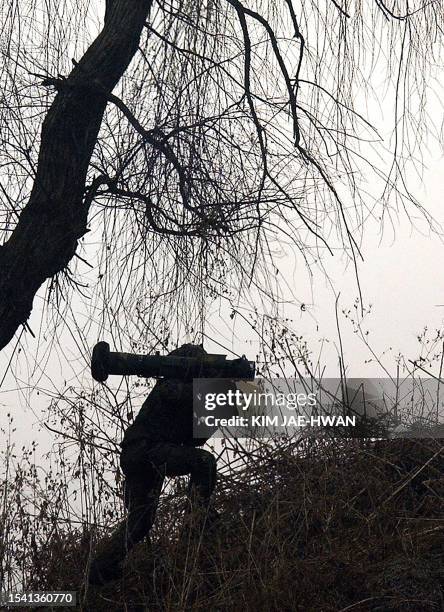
{"x":55,"y":217}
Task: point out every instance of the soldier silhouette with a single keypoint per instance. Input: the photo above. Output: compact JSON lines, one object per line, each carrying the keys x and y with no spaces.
{"x":159,"y":443}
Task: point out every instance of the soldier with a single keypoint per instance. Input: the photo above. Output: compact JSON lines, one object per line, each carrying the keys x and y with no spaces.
{"x":159,"y":443}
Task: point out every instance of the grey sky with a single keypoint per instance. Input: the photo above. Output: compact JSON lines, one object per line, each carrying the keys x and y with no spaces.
{"x":399,"y":277}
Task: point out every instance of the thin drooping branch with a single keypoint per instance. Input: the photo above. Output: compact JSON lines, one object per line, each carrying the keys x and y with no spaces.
{"x":236,"y":118}
{"x":46,"y":236}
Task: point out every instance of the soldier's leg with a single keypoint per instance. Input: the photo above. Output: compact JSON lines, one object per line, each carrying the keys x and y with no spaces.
{"x":176,"y":460}
{"x":143,"y":485}
{"x":141,"y":501}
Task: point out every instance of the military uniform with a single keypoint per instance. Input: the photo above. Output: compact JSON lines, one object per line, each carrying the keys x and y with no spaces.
{"x":159,"y":443}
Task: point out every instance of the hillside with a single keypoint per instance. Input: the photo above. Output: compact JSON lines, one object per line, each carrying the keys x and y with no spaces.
{"x":311,"y":527}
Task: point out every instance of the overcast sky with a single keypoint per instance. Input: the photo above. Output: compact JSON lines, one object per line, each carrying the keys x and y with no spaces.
{"x":400,"y":276}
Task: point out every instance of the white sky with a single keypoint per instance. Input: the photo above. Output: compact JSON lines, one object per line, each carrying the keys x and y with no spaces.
{"x":400,"y":276}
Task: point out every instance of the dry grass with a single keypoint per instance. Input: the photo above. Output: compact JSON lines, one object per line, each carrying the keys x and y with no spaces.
{"x":305,"y":526}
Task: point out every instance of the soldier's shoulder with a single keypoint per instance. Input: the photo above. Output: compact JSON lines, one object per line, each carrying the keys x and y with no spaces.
{"x":170,"y":387}
{"x":188,"y":350}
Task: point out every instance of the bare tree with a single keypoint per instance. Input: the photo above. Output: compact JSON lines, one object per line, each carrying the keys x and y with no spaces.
{"x":190,"y":137}
{"x":159,"y":155}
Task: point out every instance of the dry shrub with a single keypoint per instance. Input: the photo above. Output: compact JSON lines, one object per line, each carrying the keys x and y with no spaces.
{"x":305,"y":526}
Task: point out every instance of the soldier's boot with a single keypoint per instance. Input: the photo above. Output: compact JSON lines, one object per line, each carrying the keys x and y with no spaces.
{"x":107,"y":564}
{"x":203,"y":474}
{"x":101,"y":572}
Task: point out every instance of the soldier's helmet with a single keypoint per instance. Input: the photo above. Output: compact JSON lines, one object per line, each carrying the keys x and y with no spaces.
{"x":189,"y":350}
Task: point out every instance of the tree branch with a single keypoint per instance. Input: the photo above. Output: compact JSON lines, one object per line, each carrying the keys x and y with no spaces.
{"x":46,"y":236}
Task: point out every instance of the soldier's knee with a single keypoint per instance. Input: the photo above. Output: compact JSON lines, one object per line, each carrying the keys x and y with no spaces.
{"x":207,"y":459}
{"x":205,"y":468}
